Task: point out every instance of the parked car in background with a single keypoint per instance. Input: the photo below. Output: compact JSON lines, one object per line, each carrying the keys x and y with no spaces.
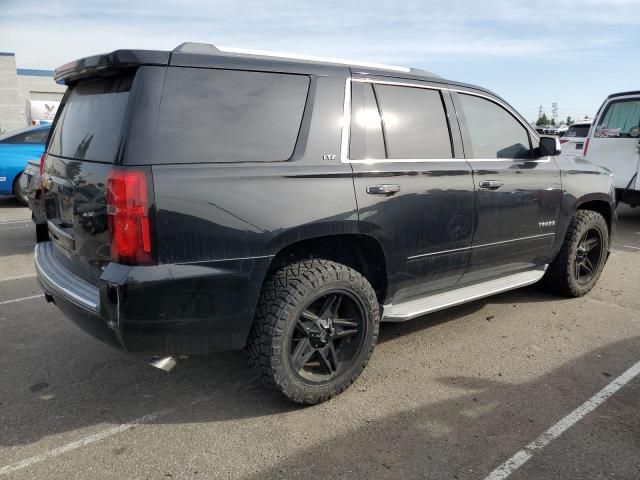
{"x":546,"y":129}
{"x":561,"y":130}
{"x":30,"y":186}
{"x":248,"y":217}
{"x":572,"y":141}
{"x":16,"y":149}
{"x":614,"y":143}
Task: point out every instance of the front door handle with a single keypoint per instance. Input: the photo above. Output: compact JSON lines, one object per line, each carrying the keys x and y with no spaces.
{"x":385,"y":189}
{"x":491,"y":184}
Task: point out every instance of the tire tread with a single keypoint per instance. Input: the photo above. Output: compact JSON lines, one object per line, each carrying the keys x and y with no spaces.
{"x":280,"y":293}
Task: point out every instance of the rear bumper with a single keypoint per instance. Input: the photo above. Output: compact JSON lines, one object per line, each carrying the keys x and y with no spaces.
{"x":158,"y":310}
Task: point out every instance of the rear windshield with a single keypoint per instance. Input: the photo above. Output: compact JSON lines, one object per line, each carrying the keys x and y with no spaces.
{"x":577,"y":131}
{"x":224,"y":116}
{"x":90,"y":124}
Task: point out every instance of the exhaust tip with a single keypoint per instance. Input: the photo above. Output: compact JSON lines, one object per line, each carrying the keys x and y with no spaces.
{"x":166,"y":363}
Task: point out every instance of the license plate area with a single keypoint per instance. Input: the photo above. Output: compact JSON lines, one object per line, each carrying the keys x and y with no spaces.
{"x":65,"y":210}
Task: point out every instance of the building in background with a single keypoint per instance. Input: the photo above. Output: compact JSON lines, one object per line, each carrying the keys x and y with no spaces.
{"x":27,"y":96}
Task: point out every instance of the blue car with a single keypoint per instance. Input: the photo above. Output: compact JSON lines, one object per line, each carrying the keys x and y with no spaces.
{"x":16,"y":149}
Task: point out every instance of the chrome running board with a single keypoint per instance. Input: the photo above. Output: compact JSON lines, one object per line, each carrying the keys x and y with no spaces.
{"x":416,"y":307}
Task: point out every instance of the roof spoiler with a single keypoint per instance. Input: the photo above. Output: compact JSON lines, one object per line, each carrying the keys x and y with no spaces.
{"x":108,"y":64}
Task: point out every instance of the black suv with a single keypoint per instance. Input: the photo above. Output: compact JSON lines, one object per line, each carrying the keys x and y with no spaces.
{"x":202,"y":200}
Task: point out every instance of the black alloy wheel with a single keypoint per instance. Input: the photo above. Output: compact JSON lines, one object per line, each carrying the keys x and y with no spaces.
{"x":327,"y":336}
{"x":582,"y":256}
{"x":588,"y":256}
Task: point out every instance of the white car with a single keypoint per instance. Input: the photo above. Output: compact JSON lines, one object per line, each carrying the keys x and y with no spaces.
{"x":573,"y":140}
{"x":614,"y":143}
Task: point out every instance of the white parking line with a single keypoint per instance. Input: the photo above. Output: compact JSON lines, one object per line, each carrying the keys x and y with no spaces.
{"x":96,"y":437}
{"x":83,"y":441}
{"x":625,"y":246}
{"x":521,"y":457}
{"x":21,"y":299}
{"x":15,"y":221}
{"x":14,"y":228}
{"x":18,"y":277}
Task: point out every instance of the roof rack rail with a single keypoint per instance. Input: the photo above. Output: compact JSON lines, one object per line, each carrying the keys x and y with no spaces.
{"x":207,"y":48}
{"x":312,"y":58}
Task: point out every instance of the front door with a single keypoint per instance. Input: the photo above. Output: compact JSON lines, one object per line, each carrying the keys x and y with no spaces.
{"x":517,"y":195}
{"x":413,"y":187}
{"x":614,"y":143}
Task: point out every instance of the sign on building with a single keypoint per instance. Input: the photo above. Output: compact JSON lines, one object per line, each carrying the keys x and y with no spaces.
{"x":42,"y":111}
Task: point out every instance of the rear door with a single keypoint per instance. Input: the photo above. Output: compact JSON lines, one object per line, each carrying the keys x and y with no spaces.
{"x":413,"y":187}
{"x":517,"y":194}
{"x":614,"y":141}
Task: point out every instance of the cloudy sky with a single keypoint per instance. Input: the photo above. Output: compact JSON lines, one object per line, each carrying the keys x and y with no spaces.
{"x":532,"y":53}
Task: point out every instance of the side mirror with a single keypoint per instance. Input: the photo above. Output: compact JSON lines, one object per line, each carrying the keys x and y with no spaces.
{"x":549,"y":146}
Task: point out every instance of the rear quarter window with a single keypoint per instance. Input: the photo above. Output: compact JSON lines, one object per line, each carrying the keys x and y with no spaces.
{"x":620,"y":119}
{"x":223,"y":116}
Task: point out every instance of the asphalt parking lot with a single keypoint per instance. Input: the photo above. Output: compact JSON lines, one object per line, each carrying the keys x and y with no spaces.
{"x":449,"y":395}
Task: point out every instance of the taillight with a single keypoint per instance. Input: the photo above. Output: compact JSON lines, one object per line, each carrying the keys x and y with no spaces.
{"x":43,"y":159}
{"x":564,"y":140}
{"x":586,"y":145}
{"x":128,"y":204}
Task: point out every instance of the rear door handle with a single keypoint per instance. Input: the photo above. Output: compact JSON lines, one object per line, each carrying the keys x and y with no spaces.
{"x":385,"y":189}
{"x":491,"y":184}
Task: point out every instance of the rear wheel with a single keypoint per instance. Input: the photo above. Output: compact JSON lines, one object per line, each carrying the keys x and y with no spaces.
{"x":577,"y":267}
{"x":316,"y":326}
{"x":20,"y":194}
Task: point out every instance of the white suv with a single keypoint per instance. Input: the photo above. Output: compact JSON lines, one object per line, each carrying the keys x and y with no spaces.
{"x":614,"y":143}
{"x":573,"y":141}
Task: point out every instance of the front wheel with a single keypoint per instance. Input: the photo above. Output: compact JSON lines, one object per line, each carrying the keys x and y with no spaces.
{"x":577,"y":267}
{"x":315,"y":329}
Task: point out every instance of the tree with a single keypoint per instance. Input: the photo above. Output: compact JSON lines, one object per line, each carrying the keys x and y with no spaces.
{"x":569,"y":120}
{"x":543,"y":120}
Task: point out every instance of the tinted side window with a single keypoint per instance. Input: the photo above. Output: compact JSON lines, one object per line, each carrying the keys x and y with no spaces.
{"x":37,"y":137}
{"x":366,"y":124}
{"x":16,"y":139}
{"x":620,"y":119}
{"x":414,"y":122}
{"x":494,"y":132}
{"x":224,"y":116}
{"x":31,"y":137}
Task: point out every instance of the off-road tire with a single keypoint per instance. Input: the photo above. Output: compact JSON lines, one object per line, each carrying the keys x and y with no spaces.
{"x":560,"y":276}
{"x":283,"y":297}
